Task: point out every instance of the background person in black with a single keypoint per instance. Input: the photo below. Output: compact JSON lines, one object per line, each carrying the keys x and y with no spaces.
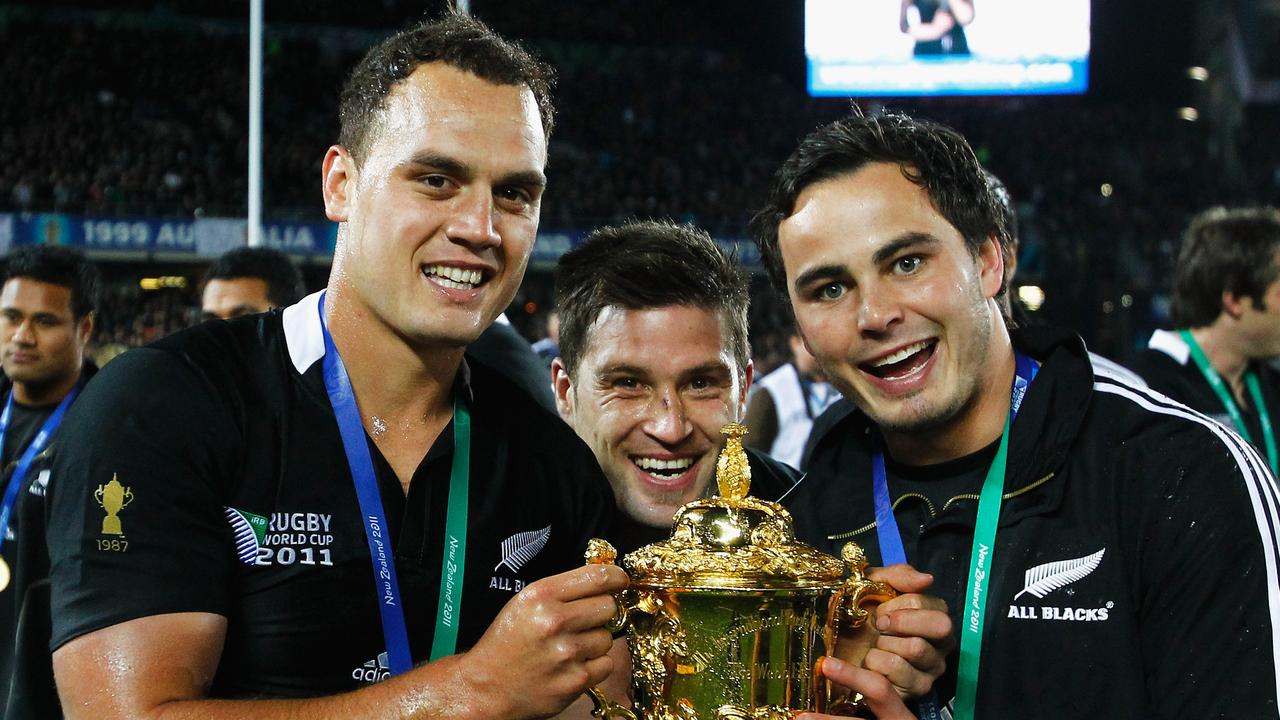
{"x":47,"y":306}
{"x":889,"y":243}
{"x":249,"y":280}
{"x":1226,"y":290}
{"x":436,"y":185}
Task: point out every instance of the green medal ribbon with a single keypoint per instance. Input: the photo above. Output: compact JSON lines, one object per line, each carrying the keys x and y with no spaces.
{"x":980,"y":563}
{"x":1224,"y":394}
{"x":452,"y":570}
{"x":983,"y":552}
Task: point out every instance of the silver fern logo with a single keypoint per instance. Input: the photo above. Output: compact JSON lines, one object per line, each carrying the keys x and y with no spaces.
{"x":522,"y":547}
{"x":1044,"y":579}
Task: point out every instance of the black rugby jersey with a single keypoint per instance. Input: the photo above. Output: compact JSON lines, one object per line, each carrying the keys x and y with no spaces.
{"x":234,"y":497}
{"x":1166,"y":366}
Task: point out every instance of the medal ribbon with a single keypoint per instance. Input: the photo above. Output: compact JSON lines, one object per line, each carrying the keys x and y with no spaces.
{"x":387,"y":586}
{"x":29,"y":455}
{"x":892,"y":552}
{"x":1224,"y":394}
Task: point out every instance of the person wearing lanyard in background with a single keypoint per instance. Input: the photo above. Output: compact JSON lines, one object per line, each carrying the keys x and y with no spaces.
{"x":327,"y":505}
{"x":47,"y":306}
{"x":1226,"y":302}
{"x":1103,"y":551}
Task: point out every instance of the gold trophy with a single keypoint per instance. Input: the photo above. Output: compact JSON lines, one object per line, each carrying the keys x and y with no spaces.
{"x":727,"y":619}
{"x":113,"y":497}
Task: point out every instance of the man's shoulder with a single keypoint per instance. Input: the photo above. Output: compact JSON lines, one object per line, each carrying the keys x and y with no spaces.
{"x":501,"y":402}
{"x":1134,"y":421}
{"x":770,"y":478}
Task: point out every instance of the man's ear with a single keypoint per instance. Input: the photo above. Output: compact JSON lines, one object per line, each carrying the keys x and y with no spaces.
{"x":991,"y":266}
{"x":1233,"y":304}
{"x":562,"y":386}
{"x":747,"y":377}
{"x":337,"y":177}
{"x":85,"y":331}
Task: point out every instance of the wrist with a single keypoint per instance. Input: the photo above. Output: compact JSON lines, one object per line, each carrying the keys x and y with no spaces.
{"x":476,"y":695}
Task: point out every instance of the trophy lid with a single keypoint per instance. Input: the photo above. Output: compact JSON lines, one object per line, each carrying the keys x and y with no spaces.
{"x":733,"y":541}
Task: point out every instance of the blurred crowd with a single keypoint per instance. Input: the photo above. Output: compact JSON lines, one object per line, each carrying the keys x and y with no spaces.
{"x":152,"y":121}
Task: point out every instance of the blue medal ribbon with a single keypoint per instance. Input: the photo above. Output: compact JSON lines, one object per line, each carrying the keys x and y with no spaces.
{"x":29,"y":455}
{"x":387,"y":586}
{"x":887,"y":533}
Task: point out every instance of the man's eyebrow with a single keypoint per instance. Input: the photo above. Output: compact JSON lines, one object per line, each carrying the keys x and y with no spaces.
{"x":902,"y":242}
{"x":822,"y":272}
{"x":462,"y":171}
{"x":622,"y":369}
{"x":523,"y":178}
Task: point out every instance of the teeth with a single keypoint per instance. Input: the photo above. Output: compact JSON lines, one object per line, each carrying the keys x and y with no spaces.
{"x":901,"y":355}
{"x":453,"y":277}
{"x":655,"y":464}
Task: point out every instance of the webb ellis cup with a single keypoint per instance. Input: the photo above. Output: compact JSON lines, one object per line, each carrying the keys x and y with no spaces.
{"x":728,"y":617}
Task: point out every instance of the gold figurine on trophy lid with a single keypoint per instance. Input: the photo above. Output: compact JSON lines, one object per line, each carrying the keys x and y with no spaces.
{"x":733,"y":539}
{"x":727,"y":618}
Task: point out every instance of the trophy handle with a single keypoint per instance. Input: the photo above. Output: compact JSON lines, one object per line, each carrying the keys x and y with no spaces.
{"x":600,"y":552}
{"x":605,"y":709}
{"x":848,"y":609}
{"x":850,"y":601}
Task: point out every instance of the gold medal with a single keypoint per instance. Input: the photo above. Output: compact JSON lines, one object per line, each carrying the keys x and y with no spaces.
{"x":4,"y":575}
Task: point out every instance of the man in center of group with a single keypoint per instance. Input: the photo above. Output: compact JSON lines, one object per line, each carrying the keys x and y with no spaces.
{"x":653,"y":362}
{"x":1104,"y":552}
{"x":326,"y":505}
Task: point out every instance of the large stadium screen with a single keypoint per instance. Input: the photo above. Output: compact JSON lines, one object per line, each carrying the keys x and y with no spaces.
{"x":946,"y":47}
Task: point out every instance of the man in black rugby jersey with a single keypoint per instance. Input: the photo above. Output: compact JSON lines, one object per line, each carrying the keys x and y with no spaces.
{"x":327,"y":505}
{"x":48,"y":303}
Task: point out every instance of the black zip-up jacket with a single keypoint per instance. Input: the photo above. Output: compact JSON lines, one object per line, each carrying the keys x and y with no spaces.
{"x":1166,"y":602}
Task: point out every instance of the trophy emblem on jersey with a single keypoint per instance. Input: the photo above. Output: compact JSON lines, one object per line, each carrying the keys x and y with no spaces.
{"x":113,"y":497}
{"x":728,"y":617}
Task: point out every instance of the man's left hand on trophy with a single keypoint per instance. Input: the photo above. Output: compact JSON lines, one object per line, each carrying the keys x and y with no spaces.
{"x":899,"y":655}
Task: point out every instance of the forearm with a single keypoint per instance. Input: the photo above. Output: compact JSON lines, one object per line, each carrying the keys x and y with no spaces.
{"x":437,"y":690}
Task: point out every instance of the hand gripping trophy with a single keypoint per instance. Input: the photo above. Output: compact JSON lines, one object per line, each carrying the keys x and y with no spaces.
{"x":728,"y":617}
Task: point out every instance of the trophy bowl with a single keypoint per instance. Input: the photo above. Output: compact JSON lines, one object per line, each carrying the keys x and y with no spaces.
{"x":728,"y":617}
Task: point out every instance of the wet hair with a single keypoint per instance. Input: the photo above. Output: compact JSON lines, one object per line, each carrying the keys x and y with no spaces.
{"x":457,"y":40}
{"x":1224,"y":251}
{"x":58,"y":265}
{"x":932,"y":156}
{"x":284,"y":281}
{"x":643,"y":265}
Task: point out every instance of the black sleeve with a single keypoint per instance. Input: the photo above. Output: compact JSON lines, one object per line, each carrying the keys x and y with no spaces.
{"x":1207,"y":576}
{"x":136,"y":501}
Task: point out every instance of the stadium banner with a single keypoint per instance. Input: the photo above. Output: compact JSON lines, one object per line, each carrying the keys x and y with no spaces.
{"x":211,"y":237}
{"x":202,"y":237}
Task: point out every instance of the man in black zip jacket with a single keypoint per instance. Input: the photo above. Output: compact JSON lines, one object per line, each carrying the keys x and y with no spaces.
{"x":1110,"y":554}
{"x":47,"y":307}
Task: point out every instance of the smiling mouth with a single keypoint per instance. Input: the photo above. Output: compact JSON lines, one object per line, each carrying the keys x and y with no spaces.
{"x":664,"y":469}
{"x":452,"y":277}
{"x":903,"y":364}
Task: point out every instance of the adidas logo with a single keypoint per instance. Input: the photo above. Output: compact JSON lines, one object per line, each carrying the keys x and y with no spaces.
{"x":373,"y":671}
